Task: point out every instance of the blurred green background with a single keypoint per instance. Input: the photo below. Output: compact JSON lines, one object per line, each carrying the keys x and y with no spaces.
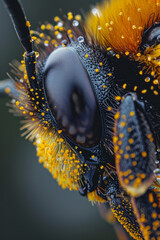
{"x":32,"y":205}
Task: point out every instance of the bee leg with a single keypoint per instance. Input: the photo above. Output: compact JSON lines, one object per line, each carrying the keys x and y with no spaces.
{"x":134,"y":147}
{"x":7,"y":88}
{"x":107,"y":214}
{"x":120,"y":205}
{"x":147,"y":210}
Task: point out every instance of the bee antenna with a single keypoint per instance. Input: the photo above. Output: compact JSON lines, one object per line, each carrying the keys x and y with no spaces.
{"x":21,"y":26}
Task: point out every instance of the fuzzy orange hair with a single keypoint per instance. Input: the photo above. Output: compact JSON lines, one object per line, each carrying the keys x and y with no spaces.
{"x":120,"y":24}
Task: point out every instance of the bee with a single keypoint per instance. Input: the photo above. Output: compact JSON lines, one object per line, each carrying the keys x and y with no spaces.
{"x":89,"y":93}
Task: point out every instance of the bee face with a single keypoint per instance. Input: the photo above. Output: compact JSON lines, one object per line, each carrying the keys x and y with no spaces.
{"x":75,"y":108}
{"x":89,"y":96}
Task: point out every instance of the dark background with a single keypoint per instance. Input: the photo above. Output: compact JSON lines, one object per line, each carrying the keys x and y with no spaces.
{"x":32,"y":205}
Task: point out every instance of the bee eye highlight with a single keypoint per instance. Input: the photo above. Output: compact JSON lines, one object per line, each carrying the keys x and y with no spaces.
{"x":71,"y":97}
{"x":152,"y":35}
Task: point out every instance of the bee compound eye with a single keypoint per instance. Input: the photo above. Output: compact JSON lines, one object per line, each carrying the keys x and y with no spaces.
{"x":71,"y":97}
{"x":152,"y":35}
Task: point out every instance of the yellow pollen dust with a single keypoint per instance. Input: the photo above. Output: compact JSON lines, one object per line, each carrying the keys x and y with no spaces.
{"x":94,"y":198}
{"x":59,"y":159}
{"x":7,"y":90}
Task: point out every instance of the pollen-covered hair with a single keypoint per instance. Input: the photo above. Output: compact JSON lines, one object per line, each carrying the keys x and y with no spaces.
{"x":91,"y":124}
{"x":52,"y":149}
{"x":120,"y":24}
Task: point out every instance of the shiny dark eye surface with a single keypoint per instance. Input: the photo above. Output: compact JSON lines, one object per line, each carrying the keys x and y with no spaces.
{"x":71,"y":97}
{"x":152,"y":35}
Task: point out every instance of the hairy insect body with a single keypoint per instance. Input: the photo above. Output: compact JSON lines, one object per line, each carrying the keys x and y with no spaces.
{"x":89,"y":97}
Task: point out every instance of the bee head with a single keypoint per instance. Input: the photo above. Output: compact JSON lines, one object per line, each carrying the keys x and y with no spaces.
{"x":70,"y":92}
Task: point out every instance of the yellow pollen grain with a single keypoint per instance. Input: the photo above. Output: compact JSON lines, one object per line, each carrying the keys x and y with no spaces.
{"x":149,"y":136}
{"x":135,"y":88}
{"x":28,"y":24}
{"x":56,"y":19}
{"x":43,"y":27}
{"x":138,"y":54}
{"x":126,"y":181}
{"x":121,"y":135}
{"x":147,"y":79}
{"x":144,"y":154}
{"x":131,"y":140}
{"x":118,"y":98}
{"x":48,"y":26}
{"x":126,"y":156}
{"x":96,"y":70}
{"x":46,"y":42}
{"x":61,"y":29}
{"x":155,"y":82}
{"x":121,"y":151}
{"x":132,"y":113}
{"x":21,"y":108}
{"x":134,"y":27}
{"x":117,"y":56}
{"x":127,"y":148}
{"x":152,"y":73}
{"x":70,"y":17}
{"x":86,"y":55}
{"x":41,"y":35}
{"x":7,"y":90}
{"x":155,"y":93}
{"x":131,"y":177}
{"x":123,"y":124}
{"x":109,"y":74}
{"x":78,"y":17}
{"x":119,"y":143}
{"x":117,"y":115}
{"x":107,"y":24}
{"x":154,"y":215}
{"x":56,"y":27}
{"x":144,"y":91}
{"x":124,"y":86}
{"x":143,"y":175}
{"x":132,"y":155}
{"x":134,"y":163}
